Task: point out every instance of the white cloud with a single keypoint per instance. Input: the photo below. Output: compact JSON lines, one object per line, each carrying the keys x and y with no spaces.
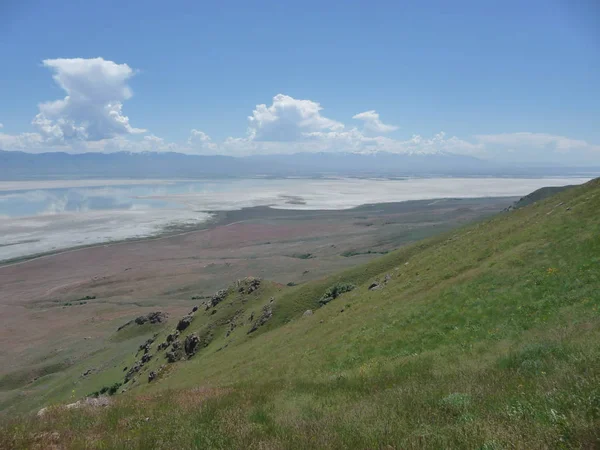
{"x":92,"y":108}
{"x":288,"y":119}
{"x":372,"y":123}
{"x":90,"y":118}
{"x":29,"y":142}
{"x":201,"y":143}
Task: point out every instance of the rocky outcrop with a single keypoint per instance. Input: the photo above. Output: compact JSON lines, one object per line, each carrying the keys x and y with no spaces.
{"x":375,"y":285}
{"x":265,"y":315}
{"x":184,"y":323}
{"x":176,"y":352}
{"x":191,"y":344}
{"x":216,"y":299}
{"x":195,"y":342}
{"x":146,"y":345}
{"x":133,"y":370}
{"x":248,"y":285}
{"x":155,"y":317}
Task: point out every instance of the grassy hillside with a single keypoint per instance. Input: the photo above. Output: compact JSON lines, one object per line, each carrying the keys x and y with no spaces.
{"x":487,"y":337}
{"x":538,"y":195}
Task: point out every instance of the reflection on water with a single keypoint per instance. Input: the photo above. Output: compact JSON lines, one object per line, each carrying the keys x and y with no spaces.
{"x":37,"y":217}
{"x":22,"y":203}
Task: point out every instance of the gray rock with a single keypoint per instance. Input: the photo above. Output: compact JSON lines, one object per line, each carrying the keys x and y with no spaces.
{"x":184,"y":323}
{"x":307,"y":313}
{"x":176,"y":352}
{"x":151,"y":376}
{"x":374,"y":286}
{"x":173,"y":336}
{"x":248,"y":285}
{"x":216,"y":299}
{"x":191,"y":344}
{"x":146,"y":345}
{"x":266,"y":314}
{"x":152,"y":318}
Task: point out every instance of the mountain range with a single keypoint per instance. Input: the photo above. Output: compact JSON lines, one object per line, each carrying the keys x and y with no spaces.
{"x":16,"y":165}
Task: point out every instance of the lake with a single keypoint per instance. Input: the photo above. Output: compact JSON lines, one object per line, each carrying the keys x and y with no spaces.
{"x":43,"y":216}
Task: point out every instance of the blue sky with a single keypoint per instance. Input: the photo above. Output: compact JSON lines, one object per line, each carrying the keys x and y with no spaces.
{"x":507,"y":80}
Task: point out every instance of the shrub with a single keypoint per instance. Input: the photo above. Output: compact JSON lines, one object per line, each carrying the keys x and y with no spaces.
{"x":334,"y":292}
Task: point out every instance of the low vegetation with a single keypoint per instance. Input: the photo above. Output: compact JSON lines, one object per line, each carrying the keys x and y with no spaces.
{"x":486,"y":337}
{"x":334,"y":292}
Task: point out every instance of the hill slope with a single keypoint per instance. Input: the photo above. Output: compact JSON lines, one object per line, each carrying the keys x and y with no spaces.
{"x":538,"y":195}
{"x":487,"y":337}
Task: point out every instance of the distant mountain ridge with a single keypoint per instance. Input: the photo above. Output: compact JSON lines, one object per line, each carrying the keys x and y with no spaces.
{"x":16,"y":165}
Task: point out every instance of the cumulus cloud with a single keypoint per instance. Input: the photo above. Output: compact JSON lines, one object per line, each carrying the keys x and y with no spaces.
{"x":288,"y":119}
{"x":200,"y":142}
{"x":90,"y":118}
{"x":372,"y":123}
{"x":92,"y":109}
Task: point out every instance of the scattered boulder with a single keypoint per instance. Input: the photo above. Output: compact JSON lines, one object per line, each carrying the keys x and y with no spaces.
{"x":307,"y":313}
{"x":195,"y":308}
{"x":147,"y":357}
{"x":184,"y":323}
{"x":266,"y":314}
{"x":86,"y":373}
{"x":162,"y":346}
{"x":151,"y":376}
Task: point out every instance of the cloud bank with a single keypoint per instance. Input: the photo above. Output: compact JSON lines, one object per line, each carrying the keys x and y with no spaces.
{"x":90,"y":117}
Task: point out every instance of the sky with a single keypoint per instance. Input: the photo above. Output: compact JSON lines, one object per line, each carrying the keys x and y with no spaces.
{"x":510,"y":81}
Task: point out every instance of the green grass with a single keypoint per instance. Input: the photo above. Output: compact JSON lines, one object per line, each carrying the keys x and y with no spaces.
{"x":487,"y":337}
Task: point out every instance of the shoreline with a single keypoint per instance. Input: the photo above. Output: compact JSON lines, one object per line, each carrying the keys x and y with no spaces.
{"x":224,"y":219}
